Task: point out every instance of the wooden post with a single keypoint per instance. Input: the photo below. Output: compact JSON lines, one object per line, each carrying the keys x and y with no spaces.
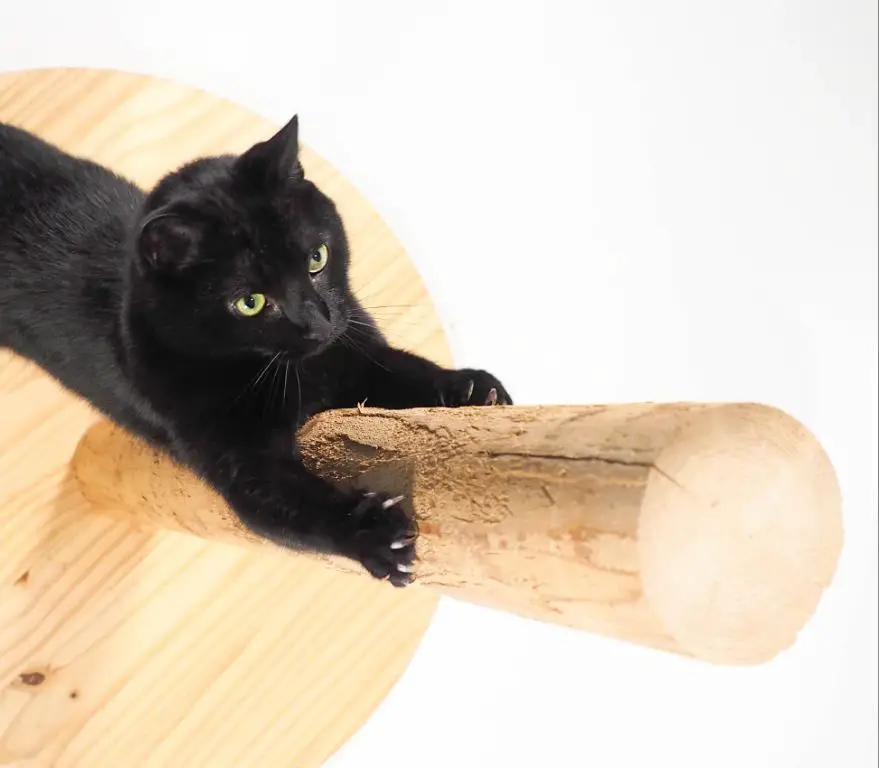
{"x":706,"y":530}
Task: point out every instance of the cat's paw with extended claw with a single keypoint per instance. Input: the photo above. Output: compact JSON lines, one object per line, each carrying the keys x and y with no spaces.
{"x":381,"y":536}
{"x":469,"y":386}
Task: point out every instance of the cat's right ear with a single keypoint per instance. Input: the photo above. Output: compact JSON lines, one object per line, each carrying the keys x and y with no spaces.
{"x":168,"y":242}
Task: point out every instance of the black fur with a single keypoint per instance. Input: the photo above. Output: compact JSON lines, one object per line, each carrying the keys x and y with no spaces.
{"x":127,"y":299}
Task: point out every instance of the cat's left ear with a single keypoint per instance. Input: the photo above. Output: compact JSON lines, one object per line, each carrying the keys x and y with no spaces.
{"x":275,"y":160}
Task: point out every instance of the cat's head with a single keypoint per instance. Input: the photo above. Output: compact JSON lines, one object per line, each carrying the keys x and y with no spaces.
{"x":243,"y":254}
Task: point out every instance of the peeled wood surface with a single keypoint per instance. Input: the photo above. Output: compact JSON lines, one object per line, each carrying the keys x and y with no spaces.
{"x":121,"y":647}
{"x":708,"y":530}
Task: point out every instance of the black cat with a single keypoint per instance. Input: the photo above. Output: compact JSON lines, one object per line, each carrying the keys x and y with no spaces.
{"x":211,"y":317}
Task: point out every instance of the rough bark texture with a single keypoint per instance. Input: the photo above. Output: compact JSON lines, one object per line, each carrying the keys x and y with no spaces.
{"x":707,"y":530}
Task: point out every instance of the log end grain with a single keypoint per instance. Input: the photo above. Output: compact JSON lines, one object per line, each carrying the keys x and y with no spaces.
{"x":740,"y":533}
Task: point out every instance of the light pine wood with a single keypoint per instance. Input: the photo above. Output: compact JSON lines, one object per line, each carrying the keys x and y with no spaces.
{"x":707,"y":530}
{"x":122,"y":648}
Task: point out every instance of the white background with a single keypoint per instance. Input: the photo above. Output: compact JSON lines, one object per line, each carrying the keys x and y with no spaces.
{"x":610,"y":201}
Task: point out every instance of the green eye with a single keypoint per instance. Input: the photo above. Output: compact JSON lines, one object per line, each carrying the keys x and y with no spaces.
{"x":318,"y":259}
{"x":250,"y":306}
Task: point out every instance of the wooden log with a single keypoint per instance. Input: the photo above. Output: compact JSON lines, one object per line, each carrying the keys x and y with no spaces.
{"x":706,"y":530}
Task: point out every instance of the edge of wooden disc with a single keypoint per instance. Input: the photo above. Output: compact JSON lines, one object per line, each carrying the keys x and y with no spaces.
{"x":119,"y":645}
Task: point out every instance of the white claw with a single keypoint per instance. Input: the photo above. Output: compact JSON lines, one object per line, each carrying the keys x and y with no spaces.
{"x":492,"y":397}
{"x":390,"y":502}
{"x":405,"y":568}
{"x":469,"y":391}
{"x":369,"y":494}
{"x":400,"y":544}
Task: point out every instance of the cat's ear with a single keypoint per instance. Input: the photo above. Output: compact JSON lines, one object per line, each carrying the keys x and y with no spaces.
{"x":275,"y":160}
{"x":168,"y":241}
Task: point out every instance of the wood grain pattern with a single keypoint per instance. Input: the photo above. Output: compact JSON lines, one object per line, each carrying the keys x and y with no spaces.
{"x":709,"y":530}
{"x":121,"y":647}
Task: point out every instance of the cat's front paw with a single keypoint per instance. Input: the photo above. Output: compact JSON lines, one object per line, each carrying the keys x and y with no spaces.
{"x":381,"y":536}
{"x":469,"y":386}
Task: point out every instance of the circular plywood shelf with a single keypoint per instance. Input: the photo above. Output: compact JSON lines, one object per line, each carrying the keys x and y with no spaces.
{"x":120,"y":647}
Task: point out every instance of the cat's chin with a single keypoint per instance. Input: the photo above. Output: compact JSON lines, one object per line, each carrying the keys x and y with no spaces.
{"x":303,"y":350}
{"x":321,"y":346}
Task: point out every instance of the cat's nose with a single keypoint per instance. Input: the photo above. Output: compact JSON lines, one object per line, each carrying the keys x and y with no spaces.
{"x":318,"y":330}
{"x":317,"y":326}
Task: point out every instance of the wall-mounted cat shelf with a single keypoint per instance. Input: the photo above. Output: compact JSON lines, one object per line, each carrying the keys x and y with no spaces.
{"x":706,"y":530}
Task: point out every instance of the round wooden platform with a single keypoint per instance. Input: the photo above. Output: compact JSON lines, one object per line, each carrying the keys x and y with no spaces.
{"x":122,"y":648}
